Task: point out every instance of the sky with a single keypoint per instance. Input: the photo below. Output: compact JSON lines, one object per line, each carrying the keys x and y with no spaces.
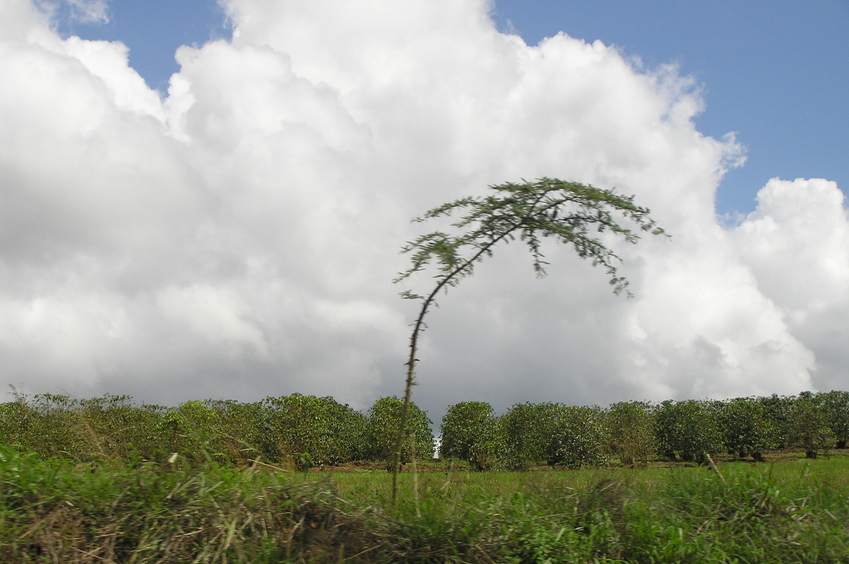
{"x":209,"y":201}
{"x":752,"y":61}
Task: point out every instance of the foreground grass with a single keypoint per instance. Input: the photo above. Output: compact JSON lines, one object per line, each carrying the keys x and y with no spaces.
{"x":58,"y":511}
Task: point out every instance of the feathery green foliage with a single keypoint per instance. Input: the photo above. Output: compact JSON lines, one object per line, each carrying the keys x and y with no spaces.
{"x":567,"y":212}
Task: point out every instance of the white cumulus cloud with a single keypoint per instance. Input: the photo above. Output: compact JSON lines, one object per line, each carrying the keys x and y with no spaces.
{"x":797,"y":245}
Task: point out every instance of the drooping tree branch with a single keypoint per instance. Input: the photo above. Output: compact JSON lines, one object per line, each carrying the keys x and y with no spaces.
{"x":568,"y":212}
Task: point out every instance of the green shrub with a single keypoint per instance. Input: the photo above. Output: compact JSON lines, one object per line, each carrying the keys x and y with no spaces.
{"x":190,"y":430}
{"x":527,"y":430}
{"x":16,"y":421}
{"x":747,"y":428}
{"x":490,"y":453}
{"x":238,"y":437}
{"x":469,"y":432}
{"x":577,"y":438}
{"x":810,"y":425}
{"x":836,"y":406}
{"x":49,"y":424}
{"x":119,"y":429}
{"x":308,"y":428}
{"x":779,"y":410}
{"x":84,"y":430}
{"x":384,"y":418}
{"x":688,"y":430}
{"x":630,"y":431}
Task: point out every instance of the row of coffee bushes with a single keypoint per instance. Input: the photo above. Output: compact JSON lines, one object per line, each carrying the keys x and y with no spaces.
{"x":294,"y":430}
{"x":628,"y":432}
{"x":306,"y":431}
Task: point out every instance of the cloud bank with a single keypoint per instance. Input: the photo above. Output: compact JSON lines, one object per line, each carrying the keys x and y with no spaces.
{"x":238,"y":238}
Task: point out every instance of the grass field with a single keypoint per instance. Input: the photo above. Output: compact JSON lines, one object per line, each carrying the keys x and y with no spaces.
{"x":60,"y":511}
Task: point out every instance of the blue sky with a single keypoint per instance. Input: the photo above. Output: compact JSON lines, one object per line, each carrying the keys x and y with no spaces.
{"x":775,"y":72}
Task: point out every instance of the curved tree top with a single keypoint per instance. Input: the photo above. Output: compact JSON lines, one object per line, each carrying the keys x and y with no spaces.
{"x":568,"y":212}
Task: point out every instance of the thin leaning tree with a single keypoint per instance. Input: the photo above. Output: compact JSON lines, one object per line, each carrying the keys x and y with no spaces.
{"x":568,"y":212}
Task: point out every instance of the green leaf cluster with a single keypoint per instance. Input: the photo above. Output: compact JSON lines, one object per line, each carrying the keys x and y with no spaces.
{"x":810,"y":427}
{"x":687,"y":430}
{"x":630,"y":429}
{"x":312,"y":430}
{"x":384,"y":420}
{"x":747,"y":427}
{"x":578,"y":438}
{"x":836,"y":406}
{"x":470,"y":432}
{"x":553,"y":434}
{"x":528,"y":428}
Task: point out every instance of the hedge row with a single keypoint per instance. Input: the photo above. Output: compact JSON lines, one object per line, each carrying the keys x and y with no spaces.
{"x":295,"y":430}
{"x":560,"y":435}
{"x":304,"y":431}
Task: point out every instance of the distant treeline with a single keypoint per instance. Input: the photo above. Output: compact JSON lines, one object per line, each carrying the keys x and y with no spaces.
{"x":303,"y":431}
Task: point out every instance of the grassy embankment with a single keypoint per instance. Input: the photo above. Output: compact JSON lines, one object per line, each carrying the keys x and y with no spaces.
{"x":61,"y":511}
